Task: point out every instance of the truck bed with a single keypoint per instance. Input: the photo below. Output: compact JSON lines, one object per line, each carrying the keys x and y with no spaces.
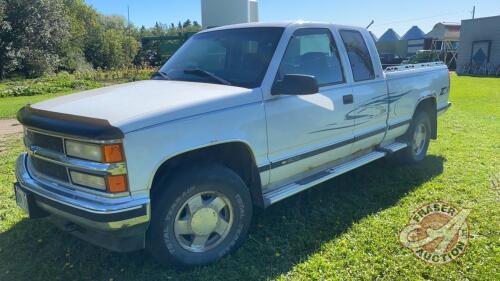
{"x":407,"y":67}
{"x":409,"y":84}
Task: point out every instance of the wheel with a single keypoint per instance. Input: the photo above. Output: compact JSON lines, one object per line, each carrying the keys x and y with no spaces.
{"x":203,"y":214}
{"x":418,"y":138}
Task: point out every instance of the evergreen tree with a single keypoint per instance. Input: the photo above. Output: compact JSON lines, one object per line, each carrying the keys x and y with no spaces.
{"x":186,"y":24}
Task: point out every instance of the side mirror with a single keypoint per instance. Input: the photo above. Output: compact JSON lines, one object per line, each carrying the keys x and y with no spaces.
{"x":296,"y":84}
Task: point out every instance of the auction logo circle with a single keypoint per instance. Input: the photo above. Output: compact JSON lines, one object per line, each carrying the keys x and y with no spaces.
{"x":438,"y":233}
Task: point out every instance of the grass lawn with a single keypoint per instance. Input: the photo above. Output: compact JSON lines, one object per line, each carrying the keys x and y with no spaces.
{"x":346,"y":228}
{"x":9,"y":106}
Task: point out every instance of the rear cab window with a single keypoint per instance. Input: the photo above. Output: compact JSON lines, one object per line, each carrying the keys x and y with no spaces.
{"x":359,"y":56}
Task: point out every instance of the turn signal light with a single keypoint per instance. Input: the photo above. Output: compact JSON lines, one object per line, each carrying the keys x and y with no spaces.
{"x":117,"y":184}
{"x":113,"y":153}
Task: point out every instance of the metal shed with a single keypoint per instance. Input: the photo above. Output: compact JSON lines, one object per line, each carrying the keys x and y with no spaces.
{"x":415,"y":38}
{"x":390,"y":43}
{"x":389,"y":36}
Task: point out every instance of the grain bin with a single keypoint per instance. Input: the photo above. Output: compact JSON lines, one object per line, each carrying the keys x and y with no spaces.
{"x":224,"y":12}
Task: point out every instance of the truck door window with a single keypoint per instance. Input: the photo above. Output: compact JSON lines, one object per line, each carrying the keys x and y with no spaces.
{"x":312,"y":51}
{"x":359,"y":56}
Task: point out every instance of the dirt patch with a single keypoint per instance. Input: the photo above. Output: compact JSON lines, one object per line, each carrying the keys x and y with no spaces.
{"x":9,"y":127}
{"x":10,"y":130}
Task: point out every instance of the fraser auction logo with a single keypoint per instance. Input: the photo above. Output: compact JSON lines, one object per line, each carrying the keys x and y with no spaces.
{"x":437,"y":233}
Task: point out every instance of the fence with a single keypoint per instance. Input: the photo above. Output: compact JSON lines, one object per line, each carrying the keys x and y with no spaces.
{"x":486,"y":69}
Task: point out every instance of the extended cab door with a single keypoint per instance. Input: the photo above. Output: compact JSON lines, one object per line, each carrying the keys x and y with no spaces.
{"x":307,"y":131}
{"x":369,"y":89}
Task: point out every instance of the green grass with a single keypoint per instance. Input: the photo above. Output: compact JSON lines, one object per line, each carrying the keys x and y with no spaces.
{"x":346,"y":228}
{"x":15,"y":93}
{"x":59,"y":83}
{"x":9,"y":106}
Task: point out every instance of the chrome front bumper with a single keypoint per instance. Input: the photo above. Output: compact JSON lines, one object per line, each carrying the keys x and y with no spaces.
{"x":86,"y":210}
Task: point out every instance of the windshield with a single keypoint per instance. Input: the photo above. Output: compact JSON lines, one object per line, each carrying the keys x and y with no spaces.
{"x":238,"y":57}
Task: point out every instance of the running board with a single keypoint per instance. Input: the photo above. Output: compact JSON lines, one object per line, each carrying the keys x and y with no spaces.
{"x":293,"y":188}
{"x":288,"y":190}
{"x":392,"y":148}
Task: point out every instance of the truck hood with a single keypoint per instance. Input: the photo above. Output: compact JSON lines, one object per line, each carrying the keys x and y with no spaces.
{"x":136,"y":105}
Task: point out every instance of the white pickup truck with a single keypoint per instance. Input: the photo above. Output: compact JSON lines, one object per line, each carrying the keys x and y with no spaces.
{"x":241,"y":116}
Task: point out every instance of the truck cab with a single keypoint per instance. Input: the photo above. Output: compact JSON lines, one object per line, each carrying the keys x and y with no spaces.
{"x":241,"y":116}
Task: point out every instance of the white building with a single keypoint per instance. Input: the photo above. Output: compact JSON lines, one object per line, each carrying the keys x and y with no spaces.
{"x":224,"y":12}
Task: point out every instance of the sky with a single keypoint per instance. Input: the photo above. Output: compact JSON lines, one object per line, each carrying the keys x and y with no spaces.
{"x":400,"y":15}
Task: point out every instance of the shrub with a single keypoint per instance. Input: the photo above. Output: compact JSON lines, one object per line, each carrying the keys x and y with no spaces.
{"x":66,"y":82}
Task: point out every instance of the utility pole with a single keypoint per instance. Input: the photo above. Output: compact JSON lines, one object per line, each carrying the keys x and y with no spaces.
{"x":128,"y":30}
{"x":474,"y":12}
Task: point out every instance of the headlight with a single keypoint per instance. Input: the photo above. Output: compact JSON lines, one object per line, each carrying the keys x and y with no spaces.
{"x":83,"y":150}
{"x":88,"y":180}
{"x":108,"y":153}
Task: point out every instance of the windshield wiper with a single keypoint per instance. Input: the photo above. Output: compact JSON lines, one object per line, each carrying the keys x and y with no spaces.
{"x":199,"y":71}
{"x":162,"y":74}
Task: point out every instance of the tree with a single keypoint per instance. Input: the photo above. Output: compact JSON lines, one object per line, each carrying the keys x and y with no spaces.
{"x":186,"y":24}
{"x":2,"y":7}
{"x":149,"y":54}
{"x":41,"y":36}
{"x":143,"y":32}
{"x":83,"y":21}
{"x":7,"y":54}
{"x":157,"y":30}
{"x":112,"y":46}
{"x":32,"y":35}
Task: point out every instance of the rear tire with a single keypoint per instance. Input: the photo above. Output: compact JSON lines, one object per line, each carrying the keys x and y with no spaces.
{"x":201,"y":215}
{"x":418,"y":139}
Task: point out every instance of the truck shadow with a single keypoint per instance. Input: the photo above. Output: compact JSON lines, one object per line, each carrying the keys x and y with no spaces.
{"x":280,"y":237}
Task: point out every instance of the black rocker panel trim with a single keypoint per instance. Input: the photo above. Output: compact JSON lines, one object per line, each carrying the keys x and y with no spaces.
{"x":312,"y":153}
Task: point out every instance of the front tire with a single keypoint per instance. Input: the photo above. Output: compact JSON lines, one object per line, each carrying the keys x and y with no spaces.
{"x":418,"y":138}
{"x":202,"y":214}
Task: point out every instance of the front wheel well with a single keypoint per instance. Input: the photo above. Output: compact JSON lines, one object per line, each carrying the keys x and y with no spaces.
{"x":429,"y":106}
{"x":237,"y":156}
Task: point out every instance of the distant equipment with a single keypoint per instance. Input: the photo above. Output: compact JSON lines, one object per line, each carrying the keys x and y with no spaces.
{"x":225,"y":12}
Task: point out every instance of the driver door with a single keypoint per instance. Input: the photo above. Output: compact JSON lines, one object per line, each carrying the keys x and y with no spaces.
{"x":307,"y":131}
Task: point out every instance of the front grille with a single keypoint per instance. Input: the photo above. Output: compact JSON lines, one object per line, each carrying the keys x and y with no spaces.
{"x":49,"y":169}
{"x":45,"y":141}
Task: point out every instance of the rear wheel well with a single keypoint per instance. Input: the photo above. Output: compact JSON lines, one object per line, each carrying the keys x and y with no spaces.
{"x":429,"y":106}
{"x":237,"y":156}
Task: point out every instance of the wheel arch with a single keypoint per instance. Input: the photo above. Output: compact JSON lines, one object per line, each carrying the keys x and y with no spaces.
{"x":234,"y":154}
{"x":429,"y":105}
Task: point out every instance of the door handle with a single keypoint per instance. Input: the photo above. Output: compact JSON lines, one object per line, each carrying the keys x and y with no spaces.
{"x":348,"y":99}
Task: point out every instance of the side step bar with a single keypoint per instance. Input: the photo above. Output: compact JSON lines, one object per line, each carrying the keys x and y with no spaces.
{"x":393,"y":147}
{"x":293,"y":188}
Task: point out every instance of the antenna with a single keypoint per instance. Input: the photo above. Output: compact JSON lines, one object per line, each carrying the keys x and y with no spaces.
{"x":371,"y":23}
{"x":474,"y":12}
